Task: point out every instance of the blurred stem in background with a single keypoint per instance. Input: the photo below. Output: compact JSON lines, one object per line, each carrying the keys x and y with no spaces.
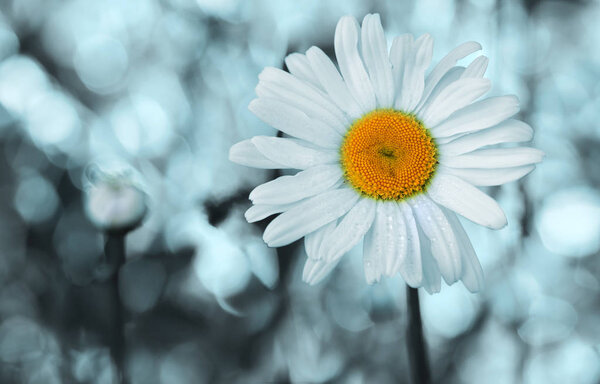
{"x":415,"y":342}
{"x":114,"y":250}
{"x":116,"y":204}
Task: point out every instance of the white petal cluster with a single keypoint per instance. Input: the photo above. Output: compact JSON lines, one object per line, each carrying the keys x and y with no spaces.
{"x":315,"y":104}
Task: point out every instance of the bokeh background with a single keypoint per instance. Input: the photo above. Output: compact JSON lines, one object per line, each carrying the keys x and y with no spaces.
{"x":163,"y":85}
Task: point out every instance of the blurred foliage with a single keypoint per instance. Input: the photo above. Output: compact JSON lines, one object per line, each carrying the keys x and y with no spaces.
{"x":163,"y":85}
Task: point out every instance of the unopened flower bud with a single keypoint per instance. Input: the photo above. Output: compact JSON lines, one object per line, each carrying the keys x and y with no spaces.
{"x":115,"y":201}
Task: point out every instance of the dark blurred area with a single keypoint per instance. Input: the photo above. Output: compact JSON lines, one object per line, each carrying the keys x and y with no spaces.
{"x":162,"y":86}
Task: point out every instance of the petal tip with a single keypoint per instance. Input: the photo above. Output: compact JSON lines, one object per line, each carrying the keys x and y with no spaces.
{"x":252,"y":196}
{"x":252,"y":105}
{"x":415,"y":282}
{"x":499,"y":225}
{"x":344,"y":22}
{"x":231,"y":155}
{"x":235,"y":152}
{"x":474,"y":287}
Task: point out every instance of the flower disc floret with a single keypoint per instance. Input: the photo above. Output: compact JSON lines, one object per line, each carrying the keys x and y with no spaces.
{"x":388,"y":155}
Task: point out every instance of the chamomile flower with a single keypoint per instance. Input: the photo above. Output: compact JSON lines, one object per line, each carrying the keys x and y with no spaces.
{"x":387,"y":155}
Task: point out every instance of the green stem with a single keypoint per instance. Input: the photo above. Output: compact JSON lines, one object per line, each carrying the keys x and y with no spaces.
{"x":415,"y":342}
{"x":114,"y":250}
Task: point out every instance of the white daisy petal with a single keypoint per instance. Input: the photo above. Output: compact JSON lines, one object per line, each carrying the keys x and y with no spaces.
{"x":488,"y":177}
{"x":319,"y":115}
{"x":466,"y":200}
{"x":292,"y":154}
{"x":450,"y":77}
{"x":412,"y":266}
{"x":472,"y":273}
{"x":287,"y":189}
{"x":477,"y":67}
{"x":374,"y":52}
{"x":299,"y":66}
{"x":477,"y":116}
{"x":332,"y":82}
{"x":347,"y":34}
{"x":455,"y":96}
{"x":372,"y":266}
{"x":509,"y":131}
{"x":294,"y":122}
{"x":246,"y":153}
{"x":302,"y":89}
{"x":400,"y":240}
{"x":316,"y":270}
{"x":314,"y":240}
{"x":309,"y":216}
{"x":432,"y":278}
{"x":261,"y":211}
{"x":350,"y":230}
{"x":431,"y":275}
{"x":449,"y":61}
{"x":413,"y":81}
{"x":399,"y":53}
{"x":396,"y":263}
{"x":494,"y":158}
{"x":446,"y":140}
{"x":385,"y":245}
{"x":444,"y":246}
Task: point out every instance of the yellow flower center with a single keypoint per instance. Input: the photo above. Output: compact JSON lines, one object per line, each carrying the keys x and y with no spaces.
{"x":388,"y":155}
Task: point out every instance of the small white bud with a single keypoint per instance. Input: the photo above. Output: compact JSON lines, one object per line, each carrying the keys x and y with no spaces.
{"x":115,"y":201}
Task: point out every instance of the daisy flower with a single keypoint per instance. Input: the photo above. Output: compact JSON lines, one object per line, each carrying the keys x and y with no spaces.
{"x":387,"y":154}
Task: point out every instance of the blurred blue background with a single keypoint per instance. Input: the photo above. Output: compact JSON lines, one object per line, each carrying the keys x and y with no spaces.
{"x":164,"y":85}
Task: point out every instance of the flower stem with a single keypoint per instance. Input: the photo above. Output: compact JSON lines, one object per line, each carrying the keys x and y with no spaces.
{"x":114,"y":250}
{"x":415,"y":342}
